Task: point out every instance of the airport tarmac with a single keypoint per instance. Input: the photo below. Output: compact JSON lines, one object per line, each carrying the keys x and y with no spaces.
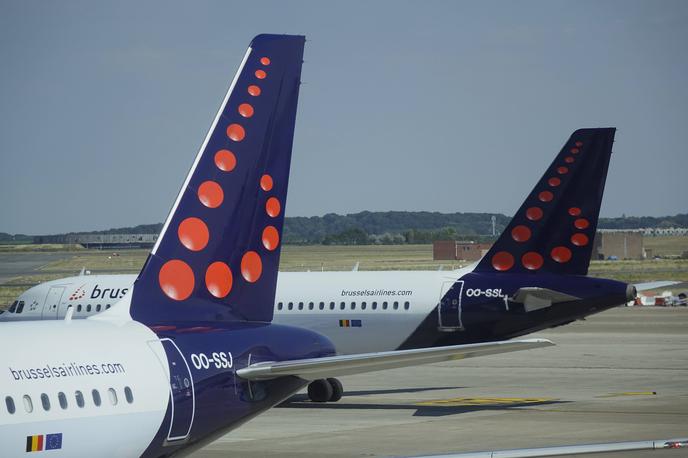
{"x":621,"y":375}
{"x":13,"y":264}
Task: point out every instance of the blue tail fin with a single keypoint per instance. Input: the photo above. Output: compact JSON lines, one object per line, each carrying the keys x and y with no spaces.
{"x":218,"y":253}
{"x":553,"y":231}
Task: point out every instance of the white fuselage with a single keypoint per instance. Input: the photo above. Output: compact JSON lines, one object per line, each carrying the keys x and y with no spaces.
{"x":358,"y":311}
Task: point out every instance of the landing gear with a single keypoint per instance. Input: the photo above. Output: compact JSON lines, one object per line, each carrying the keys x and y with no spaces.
{"x":325,"y":390}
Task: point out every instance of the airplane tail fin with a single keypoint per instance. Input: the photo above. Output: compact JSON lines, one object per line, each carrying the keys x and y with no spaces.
{"x":553,"y":231}
{"x":217,"y":256}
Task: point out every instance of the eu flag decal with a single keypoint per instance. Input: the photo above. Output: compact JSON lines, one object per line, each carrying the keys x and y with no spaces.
{"x":53,"y":441}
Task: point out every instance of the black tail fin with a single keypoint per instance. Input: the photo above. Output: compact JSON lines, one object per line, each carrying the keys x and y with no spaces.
{"x":553,"y":231}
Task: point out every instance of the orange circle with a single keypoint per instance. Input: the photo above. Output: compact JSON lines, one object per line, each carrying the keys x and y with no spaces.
{"x":210,"y":194}
{"x":561,"y":254}
{"x":532,"y":260}
{"x":574,"y":211}
{"x":265,"y":61}
{"x":251,"y":266}
{"x":236,"y":132}
{"x":534,"y":213}
{"x":569,"y":159}
{"x":245,"y":110}
{"x":225,"y":160}
{"x":580,"y":239}
{"x":193,"y":234}
{"x":176,"y":279}
{"x":581,"y":223}
{"x":273,"y":207}
{"x":554,"y":182}
{"x":270,"y":238}
{"x":260,"y":74}
{"x":218,"y":279}
{"x":254,"y":90}
{"x":575,"y":151}
{"x":502,"y":261}
{"x":266,"y":182}
{"x":520,"y":233}
{"x":562,"y":170}
{"x":579,"y":144}
{"x":545,"y":196}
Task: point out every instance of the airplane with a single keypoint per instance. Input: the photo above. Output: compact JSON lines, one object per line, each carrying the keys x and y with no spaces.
{"x":190,"y":352}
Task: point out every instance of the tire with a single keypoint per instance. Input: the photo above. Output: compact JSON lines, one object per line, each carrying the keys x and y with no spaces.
{"x":320,"y":390}
{"x":337,"y":389}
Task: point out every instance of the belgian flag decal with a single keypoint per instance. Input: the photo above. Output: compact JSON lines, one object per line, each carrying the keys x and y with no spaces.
{"x":34,"y":443}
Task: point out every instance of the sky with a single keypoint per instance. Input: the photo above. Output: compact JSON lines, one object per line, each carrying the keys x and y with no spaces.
{"x":450,"y":106}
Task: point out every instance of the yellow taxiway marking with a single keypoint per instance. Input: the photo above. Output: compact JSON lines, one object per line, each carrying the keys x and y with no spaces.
{"x":457,"y":402}
{"x":628,"y":393}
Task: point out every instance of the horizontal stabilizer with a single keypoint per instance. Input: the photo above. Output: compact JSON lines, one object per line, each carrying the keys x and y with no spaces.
{"x":654,"y":285}
{"x":534,"y":298}
{"x":336,"y":366}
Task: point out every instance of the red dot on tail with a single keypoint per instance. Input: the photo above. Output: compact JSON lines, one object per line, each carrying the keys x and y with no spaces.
{"x":236,"y":132}
{"x":265,"y":61}
{"x":270,"y":238}
{"x":579,"y":239}
{"x":225,"y":160}
{"x":574,"y":211}
{"x":245,"y":110}
{"x":581,"y":223}
{"x":251,"y":266}
{"x":520,"y":233}
{"x":502,"y":261}
{"x":569,"y":159}
{"x":532,"y":260}
{"x":260,"y":74}
{"x":176,"y":279}
{"x":579,"y":144}
{"x":545,"y":196}
{"x":210,"y":194}
{"x":562,"y":170}
{"x":218,"y":279}
{"x":254,"y":90}
{"x":575,"y":151}
{"x":266,"y":182}
{"x":561,"y":254}
{"x":534,"y":213}
{"x":273,"y":207}
{"x":554,"y":182}
{"x":193,"y":234}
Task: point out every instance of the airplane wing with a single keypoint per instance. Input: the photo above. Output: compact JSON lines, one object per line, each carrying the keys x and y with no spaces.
{"x":335,"y":366}
{"x":534,"y":298}
{"x":654,"y":285}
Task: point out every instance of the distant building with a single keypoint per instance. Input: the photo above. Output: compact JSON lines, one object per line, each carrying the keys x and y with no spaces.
{"x":618,"y":245}
{"x":451,"y":250}
{"x":100,"y":241}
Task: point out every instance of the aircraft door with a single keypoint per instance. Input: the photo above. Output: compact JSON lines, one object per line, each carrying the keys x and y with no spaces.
{"x":182,"y":396}
{"x":52,"y":303}
{"x":449,"y":308}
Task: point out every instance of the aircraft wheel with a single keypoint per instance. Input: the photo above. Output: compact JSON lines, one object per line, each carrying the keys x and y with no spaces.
{"x":337,"y":389}
{"x":320,"y":390}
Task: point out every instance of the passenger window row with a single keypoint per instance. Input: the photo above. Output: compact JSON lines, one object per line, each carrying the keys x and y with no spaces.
{"x":62,"y":400}
{"x":342,"y":305}
{"x":89,"y":308}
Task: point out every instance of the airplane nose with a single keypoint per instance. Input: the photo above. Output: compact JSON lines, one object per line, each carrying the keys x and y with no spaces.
{"x":631,"y":293}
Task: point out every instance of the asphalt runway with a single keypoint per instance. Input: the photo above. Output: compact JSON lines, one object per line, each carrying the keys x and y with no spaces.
{"x":619,"y":376}
{"x":14,"y":264}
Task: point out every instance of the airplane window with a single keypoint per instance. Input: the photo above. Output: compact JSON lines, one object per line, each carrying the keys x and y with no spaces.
{"x":20,"y":307}
{"x":128,"y":394}
{"x":63,"y":400}
{"x":88,"y":308}
{"x":406,"y":305}
{"x":310,"y":306}
{"x":78,"y":308}
{"x":112,"y":395}
{"x":279,"y":306}
{"x":373,"y":306}
{"x":396,"y":305}
{"x":13,"y":307}
{"x":9,"y":402}
{"x":342,"y":305}
{"x":98,"y":308}
{"x":353,"y":306}
{"x":290,"y":306}
{"x":331,"y":305}
{"x":322,"y":306}
{"x":300,"y":305}
{"x":28,"y":405}
{"x":79,"y":398}
{"x":96,"y":397}
{"x":45,"y":400}
{"x":384,"y":305}
{"x":107,"y":306}
{"x":363,"y":305}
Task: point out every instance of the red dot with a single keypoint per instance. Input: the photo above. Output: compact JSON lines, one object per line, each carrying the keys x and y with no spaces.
{"x":574,"y":211}
{"x":532,"y":260}
{"x":236,"y":132}
{"x":245,"y":110}
{"x":254,"y":90}
{"x":581,"y":223}
{"x":193,"y":234}
{"x":579,"y":239}
{"x":562,"y":170}
{"x":210,"y":194}
{"x":266,"y":182}
{"x":534,"y":213}
{"x":575,"y":151}
{"x":561,"y":254}
{"x":545,"y":196}
{"x":520,"y":233}
{"x":569,"y":159}
{"x":502,"y":261}
{"x":251,"y":266}
{"x":273,"y":207}
{"x":265,"y":61}
{"x":176,"y":279}
{"x":270,"y":238}
{"x":554,"y":182}
{"x":260,"y":74}
{"x":218,"y":279}
{"x":579,"y":144}
{"x":225,"y":160}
